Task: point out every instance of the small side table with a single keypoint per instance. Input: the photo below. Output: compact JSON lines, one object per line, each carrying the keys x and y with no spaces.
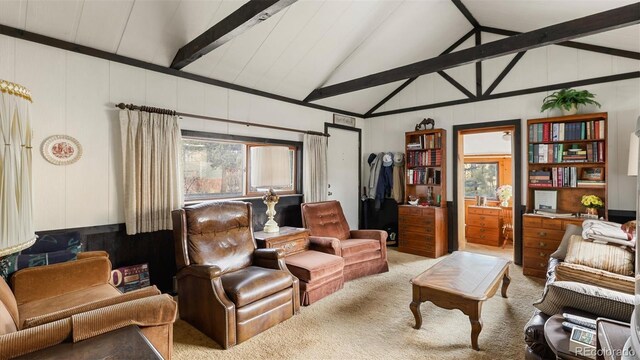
{"x":558,"y":339}
{"x":611,"y":337}
{"x":292,"y":240}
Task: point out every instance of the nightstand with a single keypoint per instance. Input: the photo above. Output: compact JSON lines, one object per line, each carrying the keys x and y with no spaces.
{"x":292,"y":240}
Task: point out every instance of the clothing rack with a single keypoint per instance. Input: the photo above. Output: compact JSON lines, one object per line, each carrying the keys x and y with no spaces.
{"x":181,"y":114}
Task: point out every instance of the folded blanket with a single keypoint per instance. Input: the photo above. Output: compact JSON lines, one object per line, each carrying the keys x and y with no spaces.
{"x":613,"y":241}
{"x":604,"y":229}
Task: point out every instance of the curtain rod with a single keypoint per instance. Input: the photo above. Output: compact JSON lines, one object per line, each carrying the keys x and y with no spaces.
{"x":176,"y":113}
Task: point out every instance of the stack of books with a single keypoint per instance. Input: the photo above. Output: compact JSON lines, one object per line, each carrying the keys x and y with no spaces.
{"x":425,"y":158}
{"x":540,"y":178}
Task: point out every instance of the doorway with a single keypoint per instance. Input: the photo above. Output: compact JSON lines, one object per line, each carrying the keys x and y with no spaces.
{"x":343,"y":158}
{"x":487,"y":168}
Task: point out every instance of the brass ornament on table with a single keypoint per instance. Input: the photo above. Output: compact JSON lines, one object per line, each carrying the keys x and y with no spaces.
{"x":270,"y":198}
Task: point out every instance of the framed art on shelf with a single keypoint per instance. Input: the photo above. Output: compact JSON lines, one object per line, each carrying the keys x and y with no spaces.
{"x":593,"y":174}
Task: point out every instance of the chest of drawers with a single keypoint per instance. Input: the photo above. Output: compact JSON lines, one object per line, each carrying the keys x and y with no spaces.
{"x":484,"y":225}
{"x":291,"y":240}
{"x":541,"y":236}
{"x":422,"y":230}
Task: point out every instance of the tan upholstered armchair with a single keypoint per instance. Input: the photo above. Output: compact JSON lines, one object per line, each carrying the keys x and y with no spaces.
{"x":48,"y":303}
{"x":227,"y":288}
{"x":364,"y":251}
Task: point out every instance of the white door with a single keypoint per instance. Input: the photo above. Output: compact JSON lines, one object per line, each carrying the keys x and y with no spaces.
{"x":343,"y":155}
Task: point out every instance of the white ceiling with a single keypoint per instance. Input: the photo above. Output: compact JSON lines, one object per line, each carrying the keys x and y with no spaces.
{"x":305,"y":46}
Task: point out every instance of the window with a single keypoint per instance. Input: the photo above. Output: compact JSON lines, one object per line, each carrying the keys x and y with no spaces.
{"x":230,"y":167}
{"x":481,"y":179}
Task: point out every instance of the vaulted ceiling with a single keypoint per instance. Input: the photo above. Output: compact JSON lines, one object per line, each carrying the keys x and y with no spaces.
{"x":305,"y":46}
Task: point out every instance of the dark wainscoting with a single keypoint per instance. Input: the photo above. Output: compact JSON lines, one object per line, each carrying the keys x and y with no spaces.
{"x":157,"y":248}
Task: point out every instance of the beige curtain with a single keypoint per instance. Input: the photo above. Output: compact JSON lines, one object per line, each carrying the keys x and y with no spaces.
{"x":314,"y":170}
{"x":16,"y":207}
{"x":152,"y":169}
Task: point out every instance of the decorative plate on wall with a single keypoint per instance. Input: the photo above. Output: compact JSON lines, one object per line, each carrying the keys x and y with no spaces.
{"x":61,"y":149}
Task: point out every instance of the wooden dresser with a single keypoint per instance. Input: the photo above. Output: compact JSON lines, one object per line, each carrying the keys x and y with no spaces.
{"x":484,"y":225}
{"x":422,"y":230}
{"x":541,"y":237}
{"x":291,"y":240}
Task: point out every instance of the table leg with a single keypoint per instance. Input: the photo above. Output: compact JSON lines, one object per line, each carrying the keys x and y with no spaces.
{"x":506,"y":280}
{"x":415,"y":309}
{"x":476,"y":325}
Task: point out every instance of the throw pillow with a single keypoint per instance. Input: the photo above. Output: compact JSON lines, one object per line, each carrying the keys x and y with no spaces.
{"x":571,"y":230}
{"x":15,"y":262}
{"x":588,"y":275}
{"x":600,"y":256}
{"x":54,"y":242}
{"x":592,"y":299}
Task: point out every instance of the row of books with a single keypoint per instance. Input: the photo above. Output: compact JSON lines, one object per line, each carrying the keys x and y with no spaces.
{"x":561,"y":177}
{"x":424,"y":176}
{"x":425,"y":158}
{"x":562,"y":153}
{"x":427,"y":141}
{"x":585,"y":130}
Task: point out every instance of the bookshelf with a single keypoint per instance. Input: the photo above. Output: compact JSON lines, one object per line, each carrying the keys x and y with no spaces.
{"x":422,"y":230}
{"x":426,"y":166}
{"x":568,"y":155}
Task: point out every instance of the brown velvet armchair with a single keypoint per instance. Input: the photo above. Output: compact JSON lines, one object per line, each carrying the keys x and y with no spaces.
{"x":227,"y":288}
{"x":73,"y":301}
{"x":364,"y":251}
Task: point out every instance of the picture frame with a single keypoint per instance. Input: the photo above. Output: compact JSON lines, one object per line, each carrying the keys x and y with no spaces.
{"x":61,"y":149}
{"x":545,"y":199}
{"x":344,"y":120}
{"x":592,"y":174}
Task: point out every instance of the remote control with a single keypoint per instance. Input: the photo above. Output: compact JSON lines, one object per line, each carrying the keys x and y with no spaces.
{"x":568,"y":326}
{"x":580,"y":320}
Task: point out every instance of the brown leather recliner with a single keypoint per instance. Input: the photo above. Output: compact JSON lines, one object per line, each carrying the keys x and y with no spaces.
{"x":364,"y":251}
{"x":227,"y":288}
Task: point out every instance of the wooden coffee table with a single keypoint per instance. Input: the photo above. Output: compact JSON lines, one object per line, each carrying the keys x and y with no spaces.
{"x":462,"y":281}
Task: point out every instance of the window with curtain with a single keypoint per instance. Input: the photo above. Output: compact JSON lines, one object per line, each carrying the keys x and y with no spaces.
{"x":220,"y":166}
{"x":481,"y":178}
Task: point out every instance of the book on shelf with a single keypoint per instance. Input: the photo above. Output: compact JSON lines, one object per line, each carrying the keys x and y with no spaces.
{"x":566,"y":153}
{"x":566,"y":131}
{"x":425,"y":158}
{"x":424,"y":176}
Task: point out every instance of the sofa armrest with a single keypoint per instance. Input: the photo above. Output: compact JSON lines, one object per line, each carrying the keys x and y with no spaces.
{"x":33,"y":339}
{"x":44,"y":282}
{"x":327,"y":245}
{"x":270,"y":258}
{"x":206,"y":272}
{"x":150,"y":311}
{"x":94,"y":305}
{"x":534,"y":336}
{"x":90,"y":254}
{"x":380,"y":235}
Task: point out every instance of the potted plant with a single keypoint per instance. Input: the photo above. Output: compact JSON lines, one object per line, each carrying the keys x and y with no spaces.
{"x":592,"y":203}
{"x":568,"y":100}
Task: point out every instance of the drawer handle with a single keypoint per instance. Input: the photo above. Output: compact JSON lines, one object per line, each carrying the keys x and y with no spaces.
{"x":543,"y":265}
{"x":482,"y":217}
{"x":481,"y":224}
{"x":288,"y":246}
{"x":543,"y":244}
{"x":481,"y":230}
{"x":481,"y":236}
{"x":542,"y":254}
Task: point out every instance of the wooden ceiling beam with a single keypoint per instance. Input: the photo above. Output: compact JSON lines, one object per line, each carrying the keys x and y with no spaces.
{"x":463,"y":9}
{"x":239,"y":21}
{"x":588,"y":25}
{"x":572,"y":44}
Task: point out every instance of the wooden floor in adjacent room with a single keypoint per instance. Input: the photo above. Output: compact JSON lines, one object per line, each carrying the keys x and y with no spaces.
{"x":370,"y":319}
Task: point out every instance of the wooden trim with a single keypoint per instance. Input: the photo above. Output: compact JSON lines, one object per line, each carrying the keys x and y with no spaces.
{"x":572,"y":44}
{"x":478,"y":37}
{"x":250,"y":193}
{"x":598,"y":80}
{"x":516,"y":138}
{"x":457,"y":85}
{"x":245,"y":17}
{"x":588,"y":25}
{"x":409,"y":81}
{"x":85,"y":50}
{"x":504,"y":72}
{"x":467,"y":14}
{"x":359,"y":131}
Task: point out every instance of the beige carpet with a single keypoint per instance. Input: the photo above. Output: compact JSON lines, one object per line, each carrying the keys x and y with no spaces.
{"x":370,"y":319}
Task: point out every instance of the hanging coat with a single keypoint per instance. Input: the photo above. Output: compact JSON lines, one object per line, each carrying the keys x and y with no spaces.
{"x":398,"y":177}
{"x":374,"y":174}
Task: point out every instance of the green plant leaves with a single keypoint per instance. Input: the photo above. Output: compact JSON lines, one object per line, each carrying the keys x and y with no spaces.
{"x":565,"y":98}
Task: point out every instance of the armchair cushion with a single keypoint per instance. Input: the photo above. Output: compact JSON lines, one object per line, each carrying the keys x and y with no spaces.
{"x":588,"y":275}
{"x":325,"y":219}
{"x":253,"y":283}
{"x":606,"y":257}
{"x":358,"y":246}
{"x":64,"y":301}
{"x":18,"y":261}
{"x":311,"y":266}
